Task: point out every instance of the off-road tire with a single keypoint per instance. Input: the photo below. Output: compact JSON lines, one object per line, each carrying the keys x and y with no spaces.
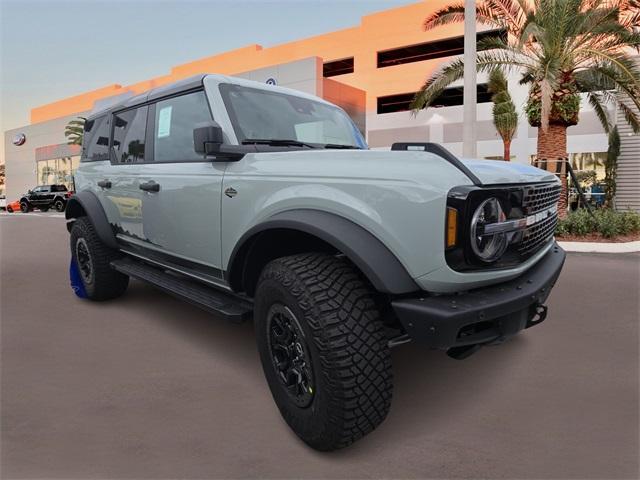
{"x":105,"y":283}
{"x":345,"y":336}
{"x":25,"y":207}
{"x":59,"y":205}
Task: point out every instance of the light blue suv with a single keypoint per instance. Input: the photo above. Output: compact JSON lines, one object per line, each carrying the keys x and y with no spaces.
{"x":251,"y":200}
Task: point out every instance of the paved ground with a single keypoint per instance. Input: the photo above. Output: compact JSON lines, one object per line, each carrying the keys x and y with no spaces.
{"x":149,"y":387}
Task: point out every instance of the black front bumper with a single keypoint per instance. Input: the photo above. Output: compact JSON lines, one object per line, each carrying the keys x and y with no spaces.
{"x":485,"y":315}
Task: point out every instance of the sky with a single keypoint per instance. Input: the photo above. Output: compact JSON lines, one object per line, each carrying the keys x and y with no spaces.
{"x":53,"y":49}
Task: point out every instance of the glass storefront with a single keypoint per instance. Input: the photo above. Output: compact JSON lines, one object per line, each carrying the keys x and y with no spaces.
{"x":57,"y":171}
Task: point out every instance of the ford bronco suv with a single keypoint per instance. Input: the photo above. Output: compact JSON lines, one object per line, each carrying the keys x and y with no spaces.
{"x":255,"y":201}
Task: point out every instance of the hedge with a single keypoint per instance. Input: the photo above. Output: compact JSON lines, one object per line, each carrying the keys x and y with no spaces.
{"x":609,"y":223}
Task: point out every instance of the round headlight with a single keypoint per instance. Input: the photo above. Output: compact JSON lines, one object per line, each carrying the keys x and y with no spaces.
{"x":488,"y":247}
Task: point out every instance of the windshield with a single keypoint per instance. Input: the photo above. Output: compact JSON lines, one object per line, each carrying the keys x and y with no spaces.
{"x":265,"y":115}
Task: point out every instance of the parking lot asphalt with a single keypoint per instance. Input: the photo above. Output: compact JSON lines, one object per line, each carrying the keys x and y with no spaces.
{"x":147,"y":386}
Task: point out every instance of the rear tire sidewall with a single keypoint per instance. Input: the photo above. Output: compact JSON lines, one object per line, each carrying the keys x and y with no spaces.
{"x":59,"y":205}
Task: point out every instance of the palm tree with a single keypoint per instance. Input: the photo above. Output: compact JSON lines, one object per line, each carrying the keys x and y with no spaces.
{"x":505,"y":117}
{"x":74,"y":131}
{"x":560,"y":48}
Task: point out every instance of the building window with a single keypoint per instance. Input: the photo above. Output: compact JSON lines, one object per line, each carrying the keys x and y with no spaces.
{"x":447,"y":47}
{"x":450,"y":97}
{"x":57,"y":171}
{"x":337,"y":67}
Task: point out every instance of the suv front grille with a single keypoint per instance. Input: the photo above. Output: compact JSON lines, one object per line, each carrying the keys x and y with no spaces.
{"x":538,"y":199}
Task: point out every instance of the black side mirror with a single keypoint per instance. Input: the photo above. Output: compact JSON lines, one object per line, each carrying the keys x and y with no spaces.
{"x":208,"y":140}
{"x":207,"y":137}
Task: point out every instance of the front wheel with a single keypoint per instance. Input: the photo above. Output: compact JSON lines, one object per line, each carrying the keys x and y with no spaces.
{"x":323,"y":349}
{"x":25,"y":207}
{"x":93,"y":258}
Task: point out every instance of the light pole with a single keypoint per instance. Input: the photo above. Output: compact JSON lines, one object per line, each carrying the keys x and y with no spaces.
{"x":469,"y":138}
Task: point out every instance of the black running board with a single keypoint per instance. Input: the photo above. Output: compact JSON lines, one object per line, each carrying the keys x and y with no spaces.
{"x":225,"y":305}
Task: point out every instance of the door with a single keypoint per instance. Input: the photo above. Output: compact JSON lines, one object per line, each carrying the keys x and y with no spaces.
{"x":119,"y":189}
{"x":37,"y":195}
{"x":181,"y":203}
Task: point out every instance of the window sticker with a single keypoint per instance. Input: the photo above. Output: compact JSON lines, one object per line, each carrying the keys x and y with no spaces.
{"x":164,"y":122}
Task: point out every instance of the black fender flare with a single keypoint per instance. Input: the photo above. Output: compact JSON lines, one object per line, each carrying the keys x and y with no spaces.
{"x":86,"y":203}
{"x":381,"y":267}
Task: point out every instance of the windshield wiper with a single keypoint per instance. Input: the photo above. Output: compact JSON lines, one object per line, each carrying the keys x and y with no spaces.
{"x":276,"y":142}
{"x":340,"y":145}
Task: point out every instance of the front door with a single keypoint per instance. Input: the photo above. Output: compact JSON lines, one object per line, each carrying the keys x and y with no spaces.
{"x":181,"y":189}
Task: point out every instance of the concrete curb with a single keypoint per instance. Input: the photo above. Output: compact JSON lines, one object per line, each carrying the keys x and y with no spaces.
{"x":600,"y":247}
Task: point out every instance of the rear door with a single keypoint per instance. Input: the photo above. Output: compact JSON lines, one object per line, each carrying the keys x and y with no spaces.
{"x":181,"y":219}
{"x":121,"y":196}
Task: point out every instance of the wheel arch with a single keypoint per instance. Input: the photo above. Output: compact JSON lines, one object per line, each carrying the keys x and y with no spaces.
{"x":87,"y":204}
{"x":304,"y":230}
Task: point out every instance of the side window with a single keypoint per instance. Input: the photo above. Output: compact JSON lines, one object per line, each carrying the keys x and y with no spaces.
{"x":128,"y":135}
{"x":175,"y":120}
{"x":95,"y":143}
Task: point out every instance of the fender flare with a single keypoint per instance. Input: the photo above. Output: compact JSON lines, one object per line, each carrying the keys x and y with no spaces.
{"x":381,"y":267}
{"x":87,"y":203}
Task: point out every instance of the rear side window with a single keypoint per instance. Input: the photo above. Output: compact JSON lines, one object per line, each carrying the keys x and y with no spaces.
{"x":128,"y":135}
{"x":95,"y":143}
{"x":175,"y":120}
{"x":58,"y":188}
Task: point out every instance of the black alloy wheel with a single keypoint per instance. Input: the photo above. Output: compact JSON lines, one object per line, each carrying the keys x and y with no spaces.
{"x":289,"y":354}
{"x":85,"y":264}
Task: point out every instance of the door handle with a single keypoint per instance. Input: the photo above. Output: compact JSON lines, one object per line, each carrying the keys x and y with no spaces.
{"x":104,"y":183}
{"x":150,"y":186}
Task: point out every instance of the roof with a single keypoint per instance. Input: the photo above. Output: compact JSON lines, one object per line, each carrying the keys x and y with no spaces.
{"x":169,"y":89}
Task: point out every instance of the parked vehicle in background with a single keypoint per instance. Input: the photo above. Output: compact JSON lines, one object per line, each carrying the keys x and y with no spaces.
{"x":253,"y":200}
{"x":13,"y":206}
{"x":44,"y":197}
{"x":3,"y":202}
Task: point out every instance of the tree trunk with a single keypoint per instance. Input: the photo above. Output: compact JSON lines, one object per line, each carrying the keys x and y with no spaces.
{"x":552,"y":147}
{"x":507,"y":150}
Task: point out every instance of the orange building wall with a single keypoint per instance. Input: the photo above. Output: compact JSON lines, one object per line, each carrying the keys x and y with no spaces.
{"x":379,"y":31}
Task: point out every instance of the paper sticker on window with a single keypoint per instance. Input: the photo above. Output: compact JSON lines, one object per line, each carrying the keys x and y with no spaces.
{"x":164,"y":122}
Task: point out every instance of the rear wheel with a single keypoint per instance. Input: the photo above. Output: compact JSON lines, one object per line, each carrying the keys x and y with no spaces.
{"x":58,"y":205}
{"x":323,"y":349}
{"x":93,"y":259}
{"x":9,"y":209}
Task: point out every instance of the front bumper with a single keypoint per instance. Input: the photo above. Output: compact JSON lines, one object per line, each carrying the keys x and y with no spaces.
{"x":484,"y":315}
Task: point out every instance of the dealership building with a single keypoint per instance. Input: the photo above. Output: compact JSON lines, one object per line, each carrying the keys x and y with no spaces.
{"x":372,"y":70}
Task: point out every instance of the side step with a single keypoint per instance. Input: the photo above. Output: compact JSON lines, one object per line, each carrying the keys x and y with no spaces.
{"x":222,"y":304}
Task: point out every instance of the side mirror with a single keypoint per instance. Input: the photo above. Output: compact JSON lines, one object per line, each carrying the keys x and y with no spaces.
{"x":207,"y":137}
{"x":208,"y":141}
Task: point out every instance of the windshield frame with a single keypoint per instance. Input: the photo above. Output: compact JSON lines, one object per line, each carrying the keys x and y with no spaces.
{"x":358,"y":140}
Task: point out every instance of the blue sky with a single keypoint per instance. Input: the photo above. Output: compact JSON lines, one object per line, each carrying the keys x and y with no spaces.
{"x":53,"y":49}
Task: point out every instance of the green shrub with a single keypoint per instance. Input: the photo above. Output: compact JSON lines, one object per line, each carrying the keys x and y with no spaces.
{"x":604,"y":221}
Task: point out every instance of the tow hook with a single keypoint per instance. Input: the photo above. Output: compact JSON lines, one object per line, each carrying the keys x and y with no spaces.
{"x":465,"y":351}
{"x":538,"y":317}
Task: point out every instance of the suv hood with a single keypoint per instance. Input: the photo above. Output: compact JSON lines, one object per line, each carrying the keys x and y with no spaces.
{"x":492,"y":172}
